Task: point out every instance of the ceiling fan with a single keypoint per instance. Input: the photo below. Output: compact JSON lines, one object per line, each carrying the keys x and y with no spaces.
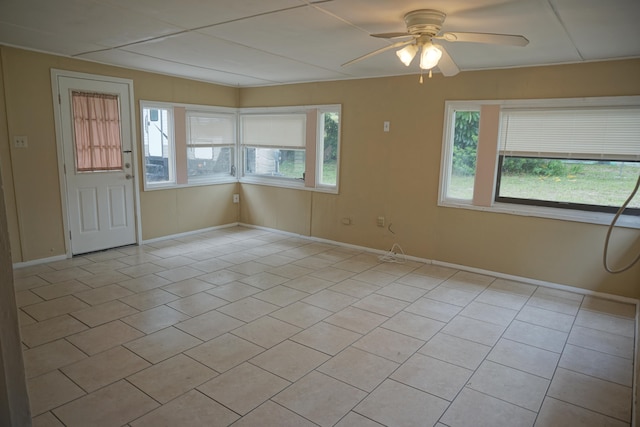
{"x":423,"y":27}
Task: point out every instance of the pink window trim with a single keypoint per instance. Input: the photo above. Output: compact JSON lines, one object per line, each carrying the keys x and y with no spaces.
{"x":96,"y":123}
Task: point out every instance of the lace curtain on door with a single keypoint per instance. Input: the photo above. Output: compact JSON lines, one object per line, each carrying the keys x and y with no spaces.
{"x":96,"y":118}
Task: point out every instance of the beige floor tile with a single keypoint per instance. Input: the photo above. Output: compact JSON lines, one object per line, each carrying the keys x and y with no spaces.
{"x":402,"y":292}
{"x":233,"y":291}
{"x":116,"y":404}
{"x":46,"y":420}
{"x":138,"y":258}
{"x":558,"y":293}
{"x":173,"y":262}
{"x":373,"y":277}
{"x":171,"y":378}
{"x":320,"y":398}
{"x":249,"y":268}
{"x":330,"y":300}
{"x":224,"y":352}
{"x":290,"y":360}
{"x":103,"y":279}
{"x":432,"y":309}
{"x":243,"y":388}
{"x":397,"y":269}
{"x":51,"y":390}
{"x":24,"y":319}
{"x":546,"y":318}
{"x":60,"y":289}
{"x":149,"y":299}
{"x":248,"y":309}
{"x":290,"y":271}
{"x":597,"y":364}
{"x":104,"y":337}
{"x":524,"y":357}
{"x":197,"y":304}
{"x":209,"y":325}
{"x":104,"y":368}
{"x":50,"y":330}
{"x":474,"y":409}
{"x":420,"y":281}
{"x":187,"y":287}
{"x":605,"y":342}
{"x":359,"y":368}
{"x":502,"y":299}
{"x":332,"y":274}
{"x":489,"y":313}
{"x":553,"y":303}
{"x":162,"y":345}
{"x":51,"y":356}
{"x":433,"y":376}
{"x":606,"y":322}
{"x":54,"y":308}
{"x":510,"y":385}
{"x":266,"y":331}
{"x":353,"y":265}
{"x":474,"y":330}
{"x":388,"y":344}
{"x":179,"y":273}
{"x":29,"y":282}
{"x":104,"y":313}
{"x":353,"y":419}
{"x":222,"y":277}
{"x":326,"y":338}
{"x":612,"y":400}
{"x":301,"y":314}
{"x":64,"y":275}
{"x":140,"y":270}
{"x":413,"y":325}
{"x":272,"y":414}
{"x":511,"y":287}
{"x":381,"y":305}
{"x":537,"y":336}
{"x":356,"y":320}
{"x":354,"y":288}
{"x":557,"y":413}
{"x":192,"y":409}
{"x":309,"y":284}
{"x":458,"y":351}
{"x":144,"y":282}
{"x":103,"y":294}
{"x":472,"y":278}
{"x":314,"y":263}
{"x":604,"y":306}
{"x":395,"y":404}
{"x":451,"y":295}
{"x":273,"y":260}
{"x":281,"y":295}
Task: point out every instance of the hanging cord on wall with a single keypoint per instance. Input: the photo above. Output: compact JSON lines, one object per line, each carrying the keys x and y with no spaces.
{"x":396,"y":254}
{"x":610,"y":230}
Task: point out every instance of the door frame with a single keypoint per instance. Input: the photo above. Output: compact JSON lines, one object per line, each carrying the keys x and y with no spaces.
{"x":55,"y":74}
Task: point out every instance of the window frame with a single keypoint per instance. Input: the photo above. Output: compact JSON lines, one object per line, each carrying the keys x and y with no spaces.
{"x":172,"y":182}
{"x":489,"y":183}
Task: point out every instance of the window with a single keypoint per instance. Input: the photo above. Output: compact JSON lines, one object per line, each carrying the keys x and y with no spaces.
{"x":274,"y":145}
{"x":562,"y":158}
{"x":96,"y":127}
{"x":159,"y":159}
{"x":297,"y":147}
{"x":210,"y":146}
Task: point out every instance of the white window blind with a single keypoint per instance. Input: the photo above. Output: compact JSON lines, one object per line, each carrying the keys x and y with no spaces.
{"x":208,"y":129}
{"x":274,"y":130}
{"x":581,"y":133}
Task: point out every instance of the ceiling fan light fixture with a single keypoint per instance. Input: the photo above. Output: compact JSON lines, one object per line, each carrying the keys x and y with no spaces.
{"x":430,"y":56}
{"x":407,"y":53}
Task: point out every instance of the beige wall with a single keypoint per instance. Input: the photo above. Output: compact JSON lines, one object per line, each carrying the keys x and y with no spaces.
{"x":31,"y":175}
{"x":396,"y":175}
{"x":391,"y":174}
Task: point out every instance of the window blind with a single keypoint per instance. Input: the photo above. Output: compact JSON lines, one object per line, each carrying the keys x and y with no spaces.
{"x":207,"y":129}
{"x":581,"y":133}
{"x":274,"y":130}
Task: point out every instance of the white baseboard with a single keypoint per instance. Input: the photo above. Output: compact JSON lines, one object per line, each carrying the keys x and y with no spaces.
{"x":189,"y":233}
{"x":38,"y":261}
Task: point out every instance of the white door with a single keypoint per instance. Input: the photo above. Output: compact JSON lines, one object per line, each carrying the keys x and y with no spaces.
{"x":100,"y":200}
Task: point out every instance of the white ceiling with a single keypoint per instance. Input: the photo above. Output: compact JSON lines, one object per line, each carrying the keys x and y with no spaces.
{"x":266,"y":42}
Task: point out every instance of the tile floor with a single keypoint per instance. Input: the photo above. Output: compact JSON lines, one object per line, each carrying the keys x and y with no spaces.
{"x":247,"y":327}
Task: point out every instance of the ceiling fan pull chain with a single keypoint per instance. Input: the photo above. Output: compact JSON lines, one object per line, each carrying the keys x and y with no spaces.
{"x":421,"y":79}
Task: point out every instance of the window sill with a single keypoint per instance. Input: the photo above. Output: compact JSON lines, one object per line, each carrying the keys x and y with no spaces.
{"x":599,"y":218}
{"x":287,"y":183}
{"x":188,"y":185}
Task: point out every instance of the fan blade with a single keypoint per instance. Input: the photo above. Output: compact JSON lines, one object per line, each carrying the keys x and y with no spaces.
{"x":446,"y":65}
{"x":391,"y":35}
{"x":488,"y":38}
{"x":375,"y":52}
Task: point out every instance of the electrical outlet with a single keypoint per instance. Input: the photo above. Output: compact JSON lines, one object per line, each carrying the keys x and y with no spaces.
{"x":236,"y":198}
{"x":386,"y":126}
{"x":19,"y":142}
{"x":380,"y":221}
